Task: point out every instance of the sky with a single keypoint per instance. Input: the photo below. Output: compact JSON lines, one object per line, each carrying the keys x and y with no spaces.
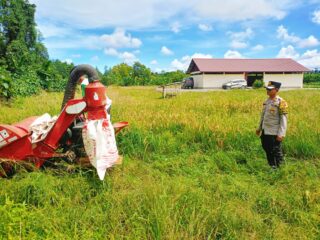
{"x":165,"y":35}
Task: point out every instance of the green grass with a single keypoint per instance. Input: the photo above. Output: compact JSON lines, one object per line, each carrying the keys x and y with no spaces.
{"x":193,"y":169}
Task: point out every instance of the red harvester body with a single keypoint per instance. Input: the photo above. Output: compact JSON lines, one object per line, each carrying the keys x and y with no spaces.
{"x":65,"y":135}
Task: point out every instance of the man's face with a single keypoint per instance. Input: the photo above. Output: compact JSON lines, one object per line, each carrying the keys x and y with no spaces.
{"x":272,"y":92}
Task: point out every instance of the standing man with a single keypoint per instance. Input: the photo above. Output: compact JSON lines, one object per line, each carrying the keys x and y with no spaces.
{"x":273,"y":124}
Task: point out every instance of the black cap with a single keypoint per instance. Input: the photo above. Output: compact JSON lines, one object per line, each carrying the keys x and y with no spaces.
{"x":271,"y":85}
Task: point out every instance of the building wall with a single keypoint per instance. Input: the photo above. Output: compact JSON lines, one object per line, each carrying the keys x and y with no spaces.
{"x":217,"y":80}
{"x":198,"y":81}
{"x":288,"y":80}
{"x":294,"y":80}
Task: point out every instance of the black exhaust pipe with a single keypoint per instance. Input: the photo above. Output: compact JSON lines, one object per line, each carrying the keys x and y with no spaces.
{"x":75,"y":74}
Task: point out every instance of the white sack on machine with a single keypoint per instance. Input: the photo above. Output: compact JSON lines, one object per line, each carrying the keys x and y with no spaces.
{"x":41,"y":127}
{"x":100,"y":145}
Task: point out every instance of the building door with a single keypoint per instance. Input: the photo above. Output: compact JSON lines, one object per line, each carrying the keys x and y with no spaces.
{"x":251,"y":77}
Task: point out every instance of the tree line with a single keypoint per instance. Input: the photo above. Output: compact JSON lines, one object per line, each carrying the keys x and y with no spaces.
{"x":139,"y":75}
{"x":25,"y":66}
{"x":311,"y":77}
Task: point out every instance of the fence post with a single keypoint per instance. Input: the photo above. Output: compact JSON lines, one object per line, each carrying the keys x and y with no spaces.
{"x":163,"y":91}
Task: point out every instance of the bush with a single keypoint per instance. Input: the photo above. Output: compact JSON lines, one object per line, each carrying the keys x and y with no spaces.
{"x":5,"y":83}
{"x":57,"y":85}
{"x":26,"y":84}
{"x":257,"y":84}
{"x":55,"y":77}
{"x":311,"y":77}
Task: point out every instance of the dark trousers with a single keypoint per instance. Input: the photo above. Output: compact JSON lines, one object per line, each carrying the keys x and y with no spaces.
{"x":273,"y":149}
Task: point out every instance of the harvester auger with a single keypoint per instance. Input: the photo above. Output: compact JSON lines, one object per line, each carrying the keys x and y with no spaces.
{"x":64,"y":139}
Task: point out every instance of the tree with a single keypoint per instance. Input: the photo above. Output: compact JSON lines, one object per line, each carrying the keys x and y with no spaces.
{"x":104,"y":78}
{"x":17,"y":21}
{"x":55,"y":76}
{"x":141,"y":74}
{"x":120,"y":74}
{"x":20,"y":43}
{"x":167,"y":77}
{"x":21,"y":52}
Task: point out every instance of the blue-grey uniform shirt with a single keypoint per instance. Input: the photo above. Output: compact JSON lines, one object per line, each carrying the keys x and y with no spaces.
{"x":273,"y":119}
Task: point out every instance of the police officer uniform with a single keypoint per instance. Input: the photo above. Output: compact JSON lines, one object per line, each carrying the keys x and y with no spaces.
{"x":273,"y":123}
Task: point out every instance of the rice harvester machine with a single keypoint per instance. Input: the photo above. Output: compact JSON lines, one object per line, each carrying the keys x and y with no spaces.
{"x":64,"y":138}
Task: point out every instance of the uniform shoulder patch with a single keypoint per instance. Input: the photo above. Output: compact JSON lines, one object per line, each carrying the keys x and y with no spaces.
{"x":283,"y":107}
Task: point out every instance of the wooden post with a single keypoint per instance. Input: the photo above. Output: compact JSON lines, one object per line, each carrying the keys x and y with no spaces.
{"x":163,"y":91}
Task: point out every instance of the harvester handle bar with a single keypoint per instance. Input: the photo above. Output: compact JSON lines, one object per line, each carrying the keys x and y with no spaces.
{"x":62,"y":124}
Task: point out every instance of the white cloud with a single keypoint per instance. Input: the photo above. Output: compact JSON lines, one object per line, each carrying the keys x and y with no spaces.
{"x":127,"y":57}
{"x":234,"y":10}
{"x":283,"y":34}
{"x":205,"y":27}
{"x":288,"y":52}
{"x":166,"y":51}
{"x":258,"y":47}
{"x":48,"y":30}
{"x":175,"y":27}
{"x":151,"y":13}
{"x":154,"y":62}
{"x":309,"y":59}
{"x":184,"y":62}
{"x":119,"y":39}
{"x":316,"y":17}
{"x":233,"y":54}
{"x":74,"y":42}
{"x":238,"y":44}
{"x":241,"y":36}
{"x":311,"y":41}
{"x":239,"y":39}
{"x":76,"y":55}
{"x":101,"y":13}
{"x":111,"y":52}
{"x":178,"y":65}
{"x":310,"y":54}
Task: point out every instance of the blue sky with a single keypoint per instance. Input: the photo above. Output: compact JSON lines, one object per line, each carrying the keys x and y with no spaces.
{"x":166,"y":35}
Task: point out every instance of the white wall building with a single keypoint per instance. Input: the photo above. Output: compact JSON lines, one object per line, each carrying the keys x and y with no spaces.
{"x":213,"y":73}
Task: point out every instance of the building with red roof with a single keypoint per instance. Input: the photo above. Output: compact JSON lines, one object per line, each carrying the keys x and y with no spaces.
{"x":214,"y":72}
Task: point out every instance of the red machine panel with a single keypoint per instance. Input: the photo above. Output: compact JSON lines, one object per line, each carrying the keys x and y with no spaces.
{"x":10,"y":147}
{"x":96,"y":100}
{"x":96,"y":95}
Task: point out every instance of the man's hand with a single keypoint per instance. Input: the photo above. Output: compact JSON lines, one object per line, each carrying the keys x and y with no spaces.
{"x":258,"y":132}
{"x":279,"y":138}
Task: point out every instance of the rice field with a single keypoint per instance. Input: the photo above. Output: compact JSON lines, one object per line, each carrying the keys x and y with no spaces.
{"x":193,"y":169}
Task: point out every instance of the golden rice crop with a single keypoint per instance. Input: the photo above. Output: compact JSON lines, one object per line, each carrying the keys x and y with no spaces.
{"x":193,"y":169}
